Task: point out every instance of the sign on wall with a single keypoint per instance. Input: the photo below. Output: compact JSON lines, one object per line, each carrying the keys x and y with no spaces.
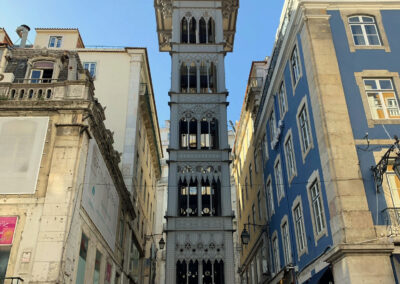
{"x":7,"y":229}
{"x":21,"y":146}
{"x":100,"y":198}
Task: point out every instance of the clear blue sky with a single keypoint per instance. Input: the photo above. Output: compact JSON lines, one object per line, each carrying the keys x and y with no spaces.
{"x":132,"y":23}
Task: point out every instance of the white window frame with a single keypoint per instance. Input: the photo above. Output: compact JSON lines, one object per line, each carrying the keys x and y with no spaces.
{"x":272,"y":126}
{"x":380,"y":92}
{"x":287,"y":252}
{"x":317,"y":207}
{"x":280,"y":187}
{"x":290,"y":157}
{"x":265,"y":150}
{"x":275,"y":252}
{"x":57,"y":42}
{"x":304,"y":128}
{"x":270,"y":197}
{"x":295,"y":67}
{"x":299,"y":228}
{"x":283,"y":106}
{"x":362,"y":24}
{"x":90,"y":64}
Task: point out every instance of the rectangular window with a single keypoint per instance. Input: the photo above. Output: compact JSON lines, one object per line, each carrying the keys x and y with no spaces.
{"x":290,"y":158}
{"x":364,"y":31}
{"x":295,"y":66}
{"x":272,"y":126}
{"x":91,"y":67}
{"x":80,"y":276}
{"x":279,"y":180}
{"x":55,"y":41}
{"x":382,"y":98}
{"x":271,"y":207}
{"x":282,"y":100}
{"x":36,"y":75}
{"x":256,"y":160}
{"x":121,"y":232}
{"x":299,"y":227}
{"x":259,"y":205}
{"x":265,"y":142}
{"x":316,"y":202}
{"x":251,"y":175}
{"x":253,"y":211}
{"x":304,"y":125}
{"x":246,"y":186}
{"x":275,"y":248}
{"x":286,"y":243}
{"x":97,"y":266}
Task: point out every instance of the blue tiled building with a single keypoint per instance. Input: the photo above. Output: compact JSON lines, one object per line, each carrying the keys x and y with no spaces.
{"x":328,"y":114}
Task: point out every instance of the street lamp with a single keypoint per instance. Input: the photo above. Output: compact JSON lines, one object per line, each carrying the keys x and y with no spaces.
{"x":161,"y":243}
{"x":381,"y":167}
{"x":245,"y":236}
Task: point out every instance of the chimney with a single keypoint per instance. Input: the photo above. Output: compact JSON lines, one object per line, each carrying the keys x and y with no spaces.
{"x":22,"y":32}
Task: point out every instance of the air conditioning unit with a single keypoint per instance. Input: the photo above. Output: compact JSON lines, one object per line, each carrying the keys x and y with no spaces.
{"x":6,"y":77}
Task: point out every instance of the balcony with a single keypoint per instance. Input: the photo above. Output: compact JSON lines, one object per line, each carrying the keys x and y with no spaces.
{"x":391,"y":218}
{"x":46,"y":89}
{"x":11,"y":280}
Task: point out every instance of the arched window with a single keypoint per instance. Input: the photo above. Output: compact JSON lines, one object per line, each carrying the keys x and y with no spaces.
{"x":188,"y":133}
{"x":219,"y":276}
{"x":184,"y":78}
{"x":193,"y":78}
{"x":203,"y":77}
{"x":209,"y":134}
{"x":187,"y":273}
{"x":364,"y":30}
{"x":184,"y":31}
{"x":192,"y":30}
{"x":181,"y":272}
{"x":199,"y":198}
{"x":213,"y":272}
{"x":202,"y":31}
{"x":214,"y":133}
{"x":211,"y":31}
{"x":212,"y":73}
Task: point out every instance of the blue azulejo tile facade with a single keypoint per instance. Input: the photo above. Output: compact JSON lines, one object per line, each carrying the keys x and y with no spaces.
{"x":297,"y":187}
{"x":375,"y":64}
{"x":330,"y":111}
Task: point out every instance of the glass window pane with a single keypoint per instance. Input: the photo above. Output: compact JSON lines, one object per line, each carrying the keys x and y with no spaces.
{"x":374,"y":40}
{"x":367,"y":19}
{"x":354,"y":20}
{"x":359,"y":40}
{"x":375,"y":105}
{"x":385,"y":84}
{"x":370,"y":85}
{"x":356,"y":29}
{"x":370,"y":29}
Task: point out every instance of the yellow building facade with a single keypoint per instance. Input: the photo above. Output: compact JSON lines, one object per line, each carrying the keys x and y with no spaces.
{"x":248,"y":174}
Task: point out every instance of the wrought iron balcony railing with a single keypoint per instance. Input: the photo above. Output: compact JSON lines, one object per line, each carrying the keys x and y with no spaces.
{"x":391,"y":216}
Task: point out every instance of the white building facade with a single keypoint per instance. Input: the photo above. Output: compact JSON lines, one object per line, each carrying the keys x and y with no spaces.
{"x":199,"y":216}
